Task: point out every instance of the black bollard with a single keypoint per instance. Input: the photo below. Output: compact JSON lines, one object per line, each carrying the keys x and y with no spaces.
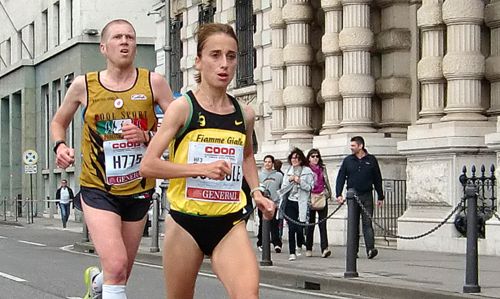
{"x":352,"y":235}
{"x":471,"y":265}
{"x":266,"y":239}
{"x":85,"y":231}
{"x":266,"y":243}
{"x":155,"y":224}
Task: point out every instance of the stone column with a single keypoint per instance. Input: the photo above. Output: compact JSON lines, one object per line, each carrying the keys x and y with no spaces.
{"x":333,"y":66}
{"x":357,"y":83}
{"x":278,"y":27}
{"x":492,"y":140}
{"x":394,"y":85}
{"x":492,"y":18}
{"x":298,"y":55}
{"x":463,"y":64}
{"x":430,"y":69}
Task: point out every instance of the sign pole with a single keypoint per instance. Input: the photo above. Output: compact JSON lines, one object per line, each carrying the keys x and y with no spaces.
{"x":31,"y":196}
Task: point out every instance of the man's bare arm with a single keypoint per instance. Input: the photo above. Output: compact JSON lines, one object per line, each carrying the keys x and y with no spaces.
{"x":75,"y":96}
{"x":161,"y":90}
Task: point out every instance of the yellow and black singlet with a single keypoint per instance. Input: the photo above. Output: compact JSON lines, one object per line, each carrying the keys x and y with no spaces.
{"x":109,"y":162}
{"x":208,"y":137}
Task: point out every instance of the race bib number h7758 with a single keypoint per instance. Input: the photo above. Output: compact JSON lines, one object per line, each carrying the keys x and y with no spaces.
{"x":122,"y":159}
{"x":206,"y":189}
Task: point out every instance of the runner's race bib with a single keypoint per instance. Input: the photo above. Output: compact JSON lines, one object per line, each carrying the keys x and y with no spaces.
{"x":205,"y":189}
{"x":123,"y":159}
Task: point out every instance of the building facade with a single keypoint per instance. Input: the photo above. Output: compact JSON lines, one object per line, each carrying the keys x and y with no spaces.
{"x":44,"y":44}
{"x":418,"y":79}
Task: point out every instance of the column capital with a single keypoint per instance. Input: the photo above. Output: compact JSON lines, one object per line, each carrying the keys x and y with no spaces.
{"x":357,"y":85}
{"x":430,"y":68}
{"x":429,"y":14}
{"x":354,"y":2}
{"x":297,"y":13}
{"x":329,"y":5}
{"x":492,"y":15}
{"x":356,"y":38}
{"x":471,"y":65}
{"x":463,"y":11}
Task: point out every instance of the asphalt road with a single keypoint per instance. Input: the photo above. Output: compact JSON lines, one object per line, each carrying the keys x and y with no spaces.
{"x":39,"y":263}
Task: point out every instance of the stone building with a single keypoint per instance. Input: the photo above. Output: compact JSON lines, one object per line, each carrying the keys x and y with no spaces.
{"x":44,"y":44}
{"x":419,"y":79}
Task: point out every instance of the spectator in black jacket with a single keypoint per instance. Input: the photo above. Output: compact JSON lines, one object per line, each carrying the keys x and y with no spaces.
{"x":362,"y":173}
{"x":64,"y":196}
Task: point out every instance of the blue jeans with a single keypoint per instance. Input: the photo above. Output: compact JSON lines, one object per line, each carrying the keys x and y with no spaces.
{"x":64,"y":212}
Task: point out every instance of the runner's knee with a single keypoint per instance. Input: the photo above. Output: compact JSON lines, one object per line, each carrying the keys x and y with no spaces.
{"x":115,"y":269}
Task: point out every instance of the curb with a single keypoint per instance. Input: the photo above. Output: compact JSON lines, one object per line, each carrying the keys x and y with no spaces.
{"x":289,"y":278}
{"x":10,"y":223}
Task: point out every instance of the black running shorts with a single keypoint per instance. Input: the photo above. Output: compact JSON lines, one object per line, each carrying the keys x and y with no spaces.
{"x":130,"y":208}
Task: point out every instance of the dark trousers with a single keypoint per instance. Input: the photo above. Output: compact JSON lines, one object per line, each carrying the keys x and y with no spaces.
{"x":295,"y":232}
{"x":274,"y":230}
{"x":322,"y":229}
{"x":367,"y":201}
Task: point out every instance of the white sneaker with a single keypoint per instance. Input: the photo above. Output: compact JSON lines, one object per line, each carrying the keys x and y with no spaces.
{"x":309,"y":253}
{"x":292,"y":257}
{"x":298,"y":251}
{"x":88,"y":277}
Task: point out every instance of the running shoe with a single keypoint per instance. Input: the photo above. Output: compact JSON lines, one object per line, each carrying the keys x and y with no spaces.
{"x":326,"y":253}
{"x":292,"y":257}
{"x":309,"y":253}
{"x":88,"y":277}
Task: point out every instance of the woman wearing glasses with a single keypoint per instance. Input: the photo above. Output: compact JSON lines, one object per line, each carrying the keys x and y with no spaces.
{"x":302,"y":179}
{"x":320,"y":194}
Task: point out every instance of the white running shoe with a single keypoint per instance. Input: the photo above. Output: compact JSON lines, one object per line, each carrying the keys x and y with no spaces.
{"x":292,"y":257}
{"x":88,"y":277}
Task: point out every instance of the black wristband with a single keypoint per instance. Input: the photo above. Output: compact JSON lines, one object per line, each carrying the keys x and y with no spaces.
{"x":57,"y":144}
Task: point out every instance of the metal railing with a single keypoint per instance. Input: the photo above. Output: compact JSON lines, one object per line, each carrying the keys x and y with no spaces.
{"x":394,"y":206}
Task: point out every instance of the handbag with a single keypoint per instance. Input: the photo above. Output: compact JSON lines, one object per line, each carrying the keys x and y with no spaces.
{"x":318,"y":201}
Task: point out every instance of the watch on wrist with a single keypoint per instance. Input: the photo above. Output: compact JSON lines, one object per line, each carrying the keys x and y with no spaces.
{"x":57,"y":144}
{"x":260,"y":188}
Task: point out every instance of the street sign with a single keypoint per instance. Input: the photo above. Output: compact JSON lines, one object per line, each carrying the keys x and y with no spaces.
{"x":30,"y":157}
{"x":30,"y":169}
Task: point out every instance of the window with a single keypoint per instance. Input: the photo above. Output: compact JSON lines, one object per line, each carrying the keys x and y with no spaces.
{"x":46,"y":123}
{"x":7,"y":52}
{"x":176,"y":54}
{"x":206,"y":13}
{"x":69,"y":18}
{"x":245,"y":28}
{"x":68,"y":79}
{"x":56,"y":22}
{"x":45,"y":31}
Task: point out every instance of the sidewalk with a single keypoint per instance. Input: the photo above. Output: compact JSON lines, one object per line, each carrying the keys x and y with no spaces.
{"x":392,"y":274}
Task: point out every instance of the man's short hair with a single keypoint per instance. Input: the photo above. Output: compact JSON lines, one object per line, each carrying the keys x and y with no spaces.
{"x":105,"y":29}
{"x":359,"y":140}
{"x":64,"y":181}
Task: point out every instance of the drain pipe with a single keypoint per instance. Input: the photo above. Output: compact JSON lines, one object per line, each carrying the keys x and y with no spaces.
{"x":167,"y":48}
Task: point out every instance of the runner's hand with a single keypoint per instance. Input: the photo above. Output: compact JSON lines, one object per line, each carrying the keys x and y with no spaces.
{"x":133,"y":133}
{"x":218,"y":170}
{"x":340,"y":199}
{"x":265,"y":205}
{"x":65,"y":156}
